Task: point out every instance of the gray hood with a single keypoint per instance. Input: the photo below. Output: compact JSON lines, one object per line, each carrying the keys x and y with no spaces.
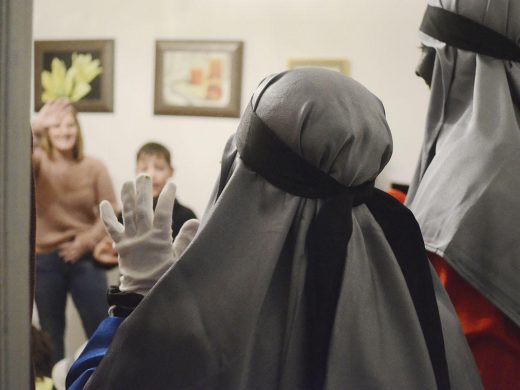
{"x":465,"y":193}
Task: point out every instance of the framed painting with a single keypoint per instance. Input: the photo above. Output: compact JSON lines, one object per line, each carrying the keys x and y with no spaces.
{"x":81,"y":71}
{"x":339,"y":65}
{"x":202,"y":78}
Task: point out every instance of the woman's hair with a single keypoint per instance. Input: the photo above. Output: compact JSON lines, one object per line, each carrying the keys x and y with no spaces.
{"x":77,"y":152}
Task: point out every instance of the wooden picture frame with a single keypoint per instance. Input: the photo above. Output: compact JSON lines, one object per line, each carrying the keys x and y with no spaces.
{"x":100,"y":97}
{"x":337,"y":64}
{"x":201,"y":78}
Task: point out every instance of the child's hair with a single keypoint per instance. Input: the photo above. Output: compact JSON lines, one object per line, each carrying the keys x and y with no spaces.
{"x":77,"y":152}
{"x":155,"y":149}
{"x":41,"y":352}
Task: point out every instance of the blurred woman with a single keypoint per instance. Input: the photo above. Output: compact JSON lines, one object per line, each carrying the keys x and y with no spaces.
{"x":69,"y":186}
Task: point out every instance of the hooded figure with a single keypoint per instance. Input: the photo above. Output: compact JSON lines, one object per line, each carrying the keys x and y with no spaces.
{"x":466,"y":189}
{"x":301,"y":275}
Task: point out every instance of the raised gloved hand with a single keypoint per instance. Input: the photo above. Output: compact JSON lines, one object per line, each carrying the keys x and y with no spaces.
{"x":50,"y":115}
{"x":144,"y":243}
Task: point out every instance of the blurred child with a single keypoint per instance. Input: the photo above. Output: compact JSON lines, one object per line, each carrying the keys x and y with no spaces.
{"x":153,"y":159}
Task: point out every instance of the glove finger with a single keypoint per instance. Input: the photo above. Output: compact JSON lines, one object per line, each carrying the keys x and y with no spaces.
{"x":163,"y":210}
{"x":128,"y":198}
{"x":112,"y":225}
{"x":185,"y":237}
{"x":144,"y":204}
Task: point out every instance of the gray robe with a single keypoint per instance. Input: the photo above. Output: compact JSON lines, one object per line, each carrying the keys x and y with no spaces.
{"x":466,"y":190}
{"x":231,"y":314}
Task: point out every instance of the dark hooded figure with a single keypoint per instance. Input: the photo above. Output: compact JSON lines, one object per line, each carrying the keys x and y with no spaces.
{"x":302,"y":275}
{"x":466,"y":190}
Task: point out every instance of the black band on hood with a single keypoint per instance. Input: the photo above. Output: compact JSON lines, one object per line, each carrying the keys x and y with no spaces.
{"x":263,"y":152}
{"x":466,"y":34}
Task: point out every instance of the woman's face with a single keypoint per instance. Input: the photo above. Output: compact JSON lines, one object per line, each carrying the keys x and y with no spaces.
{"x":64,"y":135}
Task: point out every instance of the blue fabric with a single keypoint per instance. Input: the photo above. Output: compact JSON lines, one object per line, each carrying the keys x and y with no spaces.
{"x":94,"y":351}
{"x":54,"y":280}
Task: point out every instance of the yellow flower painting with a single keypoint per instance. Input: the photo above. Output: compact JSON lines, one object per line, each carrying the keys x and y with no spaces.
{"x":72,"y":83}
{"x":81,"y":71}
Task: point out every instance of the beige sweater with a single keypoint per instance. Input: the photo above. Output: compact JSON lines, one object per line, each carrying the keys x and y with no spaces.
{"x":67,"y":199}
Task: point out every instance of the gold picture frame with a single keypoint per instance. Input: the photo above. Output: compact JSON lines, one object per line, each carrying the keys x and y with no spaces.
{"x":337,"y":64}
{"x":201,"y":78}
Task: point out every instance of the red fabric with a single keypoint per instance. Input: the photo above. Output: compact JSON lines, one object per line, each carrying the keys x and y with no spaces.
{"x":397,"y":194}
{"x":493,"y":338}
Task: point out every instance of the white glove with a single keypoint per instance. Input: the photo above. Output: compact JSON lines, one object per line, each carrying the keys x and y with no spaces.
{"x":144,"y":243}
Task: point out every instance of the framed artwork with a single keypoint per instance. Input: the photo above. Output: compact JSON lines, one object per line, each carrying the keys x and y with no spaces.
{"x":81,"y":71}
{"x":339,"y":65}
{"x":202,"y":78}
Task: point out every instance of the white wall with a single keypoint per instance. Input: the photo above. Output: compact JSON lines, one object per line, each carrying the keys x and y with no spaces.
{"x":378,"y":37}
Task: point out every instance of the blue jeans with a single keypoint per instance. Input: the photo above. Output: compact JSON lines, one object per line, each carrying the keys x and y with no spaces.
{"x":88,"y":286}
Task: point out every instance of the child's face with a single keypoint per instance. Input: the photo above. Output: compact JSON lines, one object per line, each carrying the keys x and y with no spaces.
{"x":158,"y":169}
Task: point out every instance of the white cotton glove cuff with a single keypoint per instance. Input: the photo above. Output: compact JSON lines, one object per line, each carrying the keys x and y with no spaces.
{"x":144,"y":243}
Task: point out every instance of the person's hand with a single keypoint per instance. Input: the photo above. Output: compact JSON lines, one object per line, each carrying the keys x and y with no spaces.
{"x":144,"y":243}
{"x":50,"y":115}
{"x":72,"y":251}
{"x":105,"y":253}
